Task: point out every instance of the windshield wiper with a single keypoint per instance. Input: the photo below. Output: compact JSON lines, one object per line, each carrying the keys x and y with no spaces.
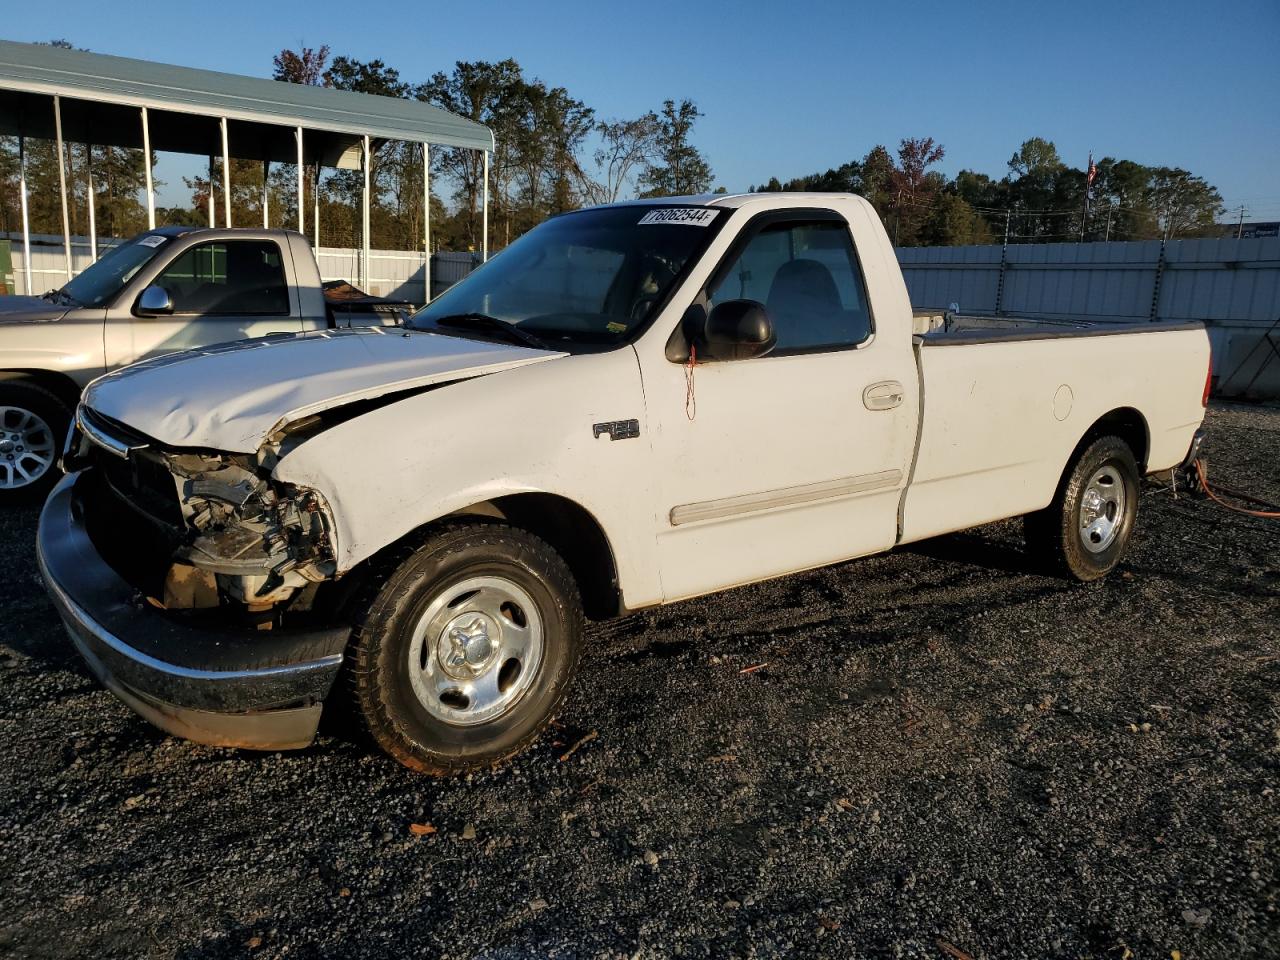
{"x":484,"y":322}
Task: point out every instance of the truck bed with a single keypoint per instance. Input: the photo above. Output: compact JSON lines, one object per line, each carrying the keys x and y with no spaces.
{"x":1004,"y":406}
{"x":938,"y":329}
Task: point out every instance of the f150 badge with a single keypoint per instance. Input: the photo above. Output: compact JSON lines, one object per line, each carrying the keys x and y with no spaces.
{"x":617,"y":429}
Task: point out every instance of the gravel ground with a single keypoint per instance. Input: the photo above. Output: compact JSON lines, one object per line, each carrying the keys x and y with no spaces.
{"x":947,"y":755}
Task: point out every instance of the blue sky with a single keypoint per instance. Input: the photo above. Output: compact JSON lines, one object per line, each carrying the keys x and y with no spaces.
{"x":793,"y":87}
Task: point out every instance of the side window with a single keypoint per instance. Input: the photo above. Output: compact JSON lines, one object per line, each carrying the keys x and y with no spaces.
{"x":807,"y":277}
{"x":233,"y":277}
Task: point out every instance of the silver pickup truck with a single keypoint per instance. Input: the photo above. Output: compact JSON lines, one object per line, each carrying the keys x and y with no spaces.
{"x":165,"y":290}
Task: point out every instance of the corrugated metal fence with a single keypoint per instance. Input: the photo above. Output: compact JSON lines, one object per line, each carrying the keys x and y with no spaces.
{"x":1232,"y":285}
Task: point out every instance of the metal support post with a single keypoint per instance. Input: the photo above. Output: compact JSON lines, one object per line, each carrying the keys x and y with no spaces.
{"x":226,"y":174}
{"x":26,"y":219}
{"x":146,"y":157}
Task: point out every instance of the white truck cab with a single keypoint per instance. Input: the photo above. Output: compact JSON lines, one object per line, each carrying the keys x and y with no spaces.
{"x":631,"y":405}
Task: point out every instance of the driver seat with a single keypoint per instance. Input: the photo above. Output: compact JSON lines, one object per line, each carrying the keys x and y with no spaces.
{"x":804,"y":303}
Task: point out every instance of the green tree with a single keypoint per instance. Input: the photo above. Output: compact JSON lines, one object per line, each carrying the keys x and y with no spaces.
{"x":1184,"y":205}
{"x":342,"y":191}
{"x":547,"y":143}
{"x":846,"y":178}
{"x":247,"y":178}
{"x":1120,"y":209}
{"x":120,"y":177}
{"x":1039,"y":199}
{"x":953,"y":222}
{"x":877,"y":179}
{"x":307,"y":66}
{"x":1036,"y":157}
{"x":488,"y":93}
{"x":679,"y":168}
{"x":1033,"y":194}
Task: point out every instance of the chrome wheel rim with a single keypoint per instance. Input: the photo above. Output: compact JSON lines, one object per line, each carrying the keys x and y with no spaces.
{"x":27,"y":448}
{"x":475,"y":651}
{"x":1102,"y":509}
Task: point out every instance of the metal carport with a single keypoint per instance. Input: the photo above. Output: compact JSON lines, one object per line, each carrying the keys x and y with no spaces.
{"x":91,"y":98}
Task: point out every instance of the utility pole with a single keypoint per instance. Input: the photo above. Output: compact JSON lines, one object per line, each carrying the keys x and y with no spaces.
{"x":1004,"y":263}
{"x":1110,"y":208}
{"x":1240,"y":225}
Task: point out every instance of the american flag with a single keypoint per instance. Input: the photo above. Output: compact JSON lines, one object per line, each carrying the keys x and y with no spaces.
{"x":1091,"y":176}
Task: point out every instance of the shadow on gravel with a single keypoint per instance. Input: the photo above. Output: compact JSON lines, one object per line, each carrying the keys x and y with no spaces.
{"x":974,"y":550}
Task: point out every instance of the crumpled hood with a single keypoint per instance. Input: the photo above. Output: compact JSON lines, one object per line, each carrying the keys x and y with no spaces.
{"x":29,"y":310}
{"x":233,"y":396}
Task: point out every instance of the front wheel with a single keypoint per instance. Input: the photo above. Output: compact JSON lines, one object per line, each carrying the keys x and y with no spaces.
{"x":33,"y":424}
{"x":1085,"y":531}
{"x":469,"y":648}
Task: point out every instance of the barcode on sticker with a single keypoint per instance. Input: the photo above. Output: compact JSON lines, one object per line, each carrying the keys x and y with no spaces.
{"x":690,"y":216}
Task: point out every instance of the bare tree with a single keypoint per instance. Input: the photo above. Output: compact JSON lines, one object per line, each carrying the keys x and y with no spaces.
{"x":627,"y":147}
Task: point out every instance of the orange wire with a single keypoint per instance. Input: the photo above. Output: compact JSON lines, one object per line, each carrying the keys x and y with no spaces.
{"x":1204,"y":482}
{"x":690,"y":398}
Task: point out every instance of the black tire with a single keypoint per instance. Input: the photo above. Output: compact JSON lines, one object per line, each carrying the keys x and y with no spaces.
{"x":395,"y":717}
{"x":16,"y":398}
{"x":1058,"y":534}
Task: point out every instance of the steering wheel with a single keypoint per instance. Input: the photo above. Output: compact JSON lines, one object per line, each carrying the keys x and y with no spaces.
{"x":655,"y":273}
{"x":640,"y":306}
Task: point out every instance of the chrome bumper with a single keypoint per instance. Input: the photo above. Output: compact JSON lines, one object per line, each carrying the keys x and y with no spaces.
{"x":256,"y":689}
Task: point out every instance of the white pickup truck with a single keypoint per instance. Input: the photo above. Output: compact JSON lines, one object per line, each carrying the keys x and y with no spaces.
{"x":164,"y":290}
{"x":631,"y":405}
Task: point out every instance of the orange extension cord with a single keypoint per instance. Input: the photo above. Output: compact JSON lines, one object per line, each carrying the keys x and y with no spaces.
{"x":1204,"y":482}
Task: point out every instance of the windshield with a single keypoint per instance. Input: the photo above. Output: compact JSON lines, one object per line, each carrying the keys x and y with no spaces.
{"x":102,"y":281}
{"x":590,"y":277}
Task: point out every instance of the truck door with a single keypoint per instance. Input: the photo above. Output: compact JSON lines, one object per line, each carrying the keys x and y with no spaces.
{"x":222,"y":290}
{"x":797,"y":458}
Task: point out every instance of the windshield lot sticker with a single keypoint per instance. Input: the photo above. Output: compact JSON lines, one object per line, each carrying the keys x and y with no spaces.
{"x":152,"y":241}
{"x":689,"y":216}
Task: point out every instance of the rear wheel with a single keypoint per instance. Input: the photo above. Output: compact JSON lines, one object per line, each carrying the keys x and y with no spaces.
{"x":1085,"y":531}
{"x":33,"y":424}
{"x":469,"y":648}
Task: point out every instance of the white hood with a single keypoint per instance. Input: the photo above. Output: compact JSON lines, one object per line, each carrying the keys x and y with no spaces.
{"x":233,"y":396}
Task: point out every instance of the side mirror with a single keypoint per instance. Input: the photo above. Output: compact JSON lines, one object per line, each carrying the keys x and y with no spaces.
{"x":737,"y":330}
{"x":154,"y":302}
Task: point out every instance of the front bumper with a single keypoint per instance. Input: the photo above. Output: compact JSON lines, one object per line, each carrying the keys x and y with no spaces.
{"x":236,"y":688}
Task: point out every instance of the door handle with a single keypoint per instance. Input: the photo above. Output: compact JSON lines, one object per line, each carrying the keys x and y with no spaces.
{"x":884,"y":395}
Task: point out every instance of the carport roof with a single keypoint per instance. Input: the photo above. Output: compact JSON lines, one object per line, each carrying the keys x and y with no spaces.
{"x":31,"y":74}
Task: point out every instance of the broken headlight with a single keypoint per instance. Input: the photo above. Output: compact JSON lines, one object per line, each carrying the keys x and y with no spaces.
{"x":261,"y":541}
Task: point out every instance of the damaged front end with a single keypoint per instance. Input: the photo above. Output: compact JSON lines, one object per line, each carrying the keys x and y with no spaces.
{"x":193,"y":584}
{"x":258,"y":541}
{"x":198,"y":530}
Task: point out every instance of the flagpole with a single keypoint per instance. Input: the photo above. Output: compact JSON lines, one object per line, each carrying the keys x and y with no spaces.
{"x":1088,"y":188}
{"x":1084,"y":210}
